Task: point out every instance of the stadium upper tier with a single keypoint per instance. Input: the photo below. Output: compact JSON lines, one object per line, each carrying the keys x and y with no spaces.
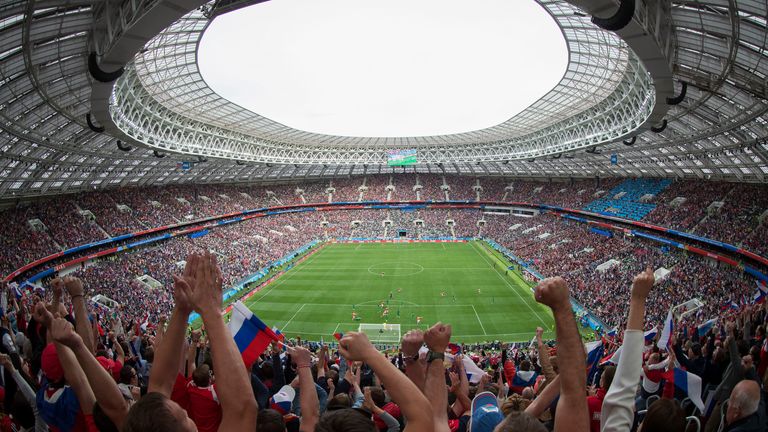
{"x":730,"y":212}
{"x":82,"y":80}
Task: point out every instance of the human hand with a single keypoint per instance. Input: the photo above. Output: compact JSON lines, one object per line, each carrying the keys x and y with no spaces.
{"x":368,"y":400}
{"x":74,"y":286}
{"x":63,"y":332}
{"x":355,"y":346}
{"x":642,"y":284}
{"x":331,"y":385}
{"x":412,"y":343}
{"x":206,"y":293}
{"x":5,"y":361}
{"x":454,"y":381}
{"x":275,"y":347}
{"x":181,"y":294}
{"x":42,"y":315}
{"x":438,"y":337}
{"x":730,"y":327}
{"x":553,"y":292}
{"x":539,"y":333}
{"x":57,"y":286}
{"x":301,"y":356}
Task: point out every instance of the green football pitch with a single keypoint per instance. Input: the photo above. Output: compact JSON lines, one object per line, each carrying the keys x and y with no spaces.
{"x":462,"y":284}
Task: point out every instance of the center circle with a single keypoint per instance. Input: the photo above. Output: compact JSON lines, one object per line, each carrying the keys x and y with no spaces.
{"x":395,"y":269}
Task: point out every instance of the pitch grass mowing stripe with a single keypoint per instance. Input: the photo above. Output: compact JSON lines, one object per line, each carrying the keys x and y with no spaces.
{"x":455,"y":284}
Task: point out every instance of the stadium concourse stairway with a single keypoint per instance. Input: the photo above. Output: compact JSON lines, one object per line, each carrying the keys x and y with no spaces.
{"x":625,"y":199}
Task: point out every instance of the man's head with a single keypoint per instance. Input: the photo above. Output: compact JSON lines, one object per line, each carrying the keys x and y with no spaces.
{"x":520,"y":422}
{"x":156,"y":413}
{"x":664,"y":415}
{"x":378,"y":396}
{"x":695,"y":350}
{"x":486,"y":414}
{"x":202,"y":376}
{"x":747,"y":362}
{"x":270,"y":420}
{"x":654,"y":358}
{"x":345,"y":420}
{"x":744,"y":401}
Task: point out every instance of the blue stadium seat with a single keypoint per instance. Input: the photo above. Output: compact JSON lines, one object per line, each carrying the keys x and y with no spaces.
{"x":628,"y":205}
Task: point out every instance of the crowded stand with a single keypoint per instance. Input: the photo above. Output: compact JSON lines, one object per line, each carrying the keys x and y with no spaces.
{"x":64,"y":373}
{"x":129,"y":340}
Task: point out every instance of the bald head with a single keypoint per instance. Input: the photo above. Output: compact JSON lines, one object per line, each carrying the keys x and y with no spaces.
{"x":744,"y":401}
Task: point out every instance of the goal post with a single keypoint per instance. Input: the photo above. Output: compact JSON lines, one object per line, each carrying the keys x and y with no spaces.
{"x":381,"y":333}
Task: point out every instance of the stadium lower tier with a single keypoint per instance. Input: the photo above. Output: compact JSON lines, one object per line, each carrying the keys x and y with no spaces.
{"x":597,"y":266}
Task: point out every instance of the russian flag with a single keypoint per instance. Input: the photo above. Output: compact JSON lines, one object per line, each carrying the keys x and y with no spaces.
{"x":338,"y":335}
{"x":251,"y":335}
{"x":690,"y":384}
{"x":734,"y":305}
{"x":594,"y":355}
{"x":666,"y":332}
{"x":650,"y":334}
{"x":707,"y":326}
{"x":612,"y":332}
{"x":761,"y":293}
{"x":612,"y":358}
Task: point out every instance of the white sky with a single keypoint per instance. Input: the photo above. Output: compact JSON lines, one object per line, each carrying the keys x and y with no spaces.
{"x":385,"y":68}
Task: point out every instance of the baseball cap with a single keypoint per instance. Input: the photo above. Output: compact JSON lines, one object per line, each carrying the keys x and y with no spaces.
{"x":282,"y":401}
{"x":50,"y":364}
{"x":486,"y":414}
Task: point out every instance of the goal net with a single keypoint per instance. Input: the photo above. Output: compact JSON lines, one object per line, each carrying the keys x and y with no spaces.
{"x":381,"y":333}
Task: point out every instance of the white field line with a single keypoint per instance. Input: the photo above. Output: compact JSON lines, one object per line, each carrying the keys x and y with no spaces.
{"x":507,"y":282}
{"x":478,"y":320}
{"x":294,"y":316}
{"x":280,"y":281}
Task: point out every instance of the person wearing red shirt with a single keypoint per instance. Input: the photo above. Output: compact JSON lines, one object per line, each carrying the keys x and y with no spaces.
{"x":204,"y":407}
{"x":595,"y":402}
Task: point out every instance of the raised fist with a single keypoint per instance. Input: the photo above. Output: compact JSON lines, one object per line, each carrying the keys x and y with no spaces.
{"x":63,"y":332}
{"x":57,"y":285}
{"x":355,"y":346}
{"x":553,"y":292}
{"x":301,"y":356}
{"x":438,"y":337}
{"x":642,"y":284}
{"x":412,"y":343}
{"x":74,"y":286}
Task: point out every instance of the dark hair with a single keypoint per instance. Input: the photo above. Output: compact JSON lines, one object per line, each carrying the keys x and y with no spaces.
{"x":151,"y":414}
{"x":665,"y":415}
{"x":377,"y":395}
{"x":521,"y":422}
{"x":345,"y":420}
{"x":102,"y":421}
{"x":607,"y":376}
{"x":201,"y":376}
{"x":126,"y":374}
{"x":270,"y":420}
{"x":340,"y":401}
{"x":696,"y":348}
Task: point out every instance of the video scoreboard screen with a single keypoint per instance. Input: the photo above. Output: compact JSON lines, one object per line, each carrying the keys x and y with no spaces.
{"x":401,"y":157}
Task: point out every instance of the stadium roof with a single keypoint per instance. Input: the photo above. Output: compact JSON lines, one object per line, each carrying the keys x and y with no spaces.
{"x":66,"y":114}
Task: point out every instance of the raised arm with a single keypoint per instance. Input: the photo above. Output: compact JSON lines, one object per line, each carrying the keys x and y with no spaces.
{"x":238,"y":407}
{"x":165,"y":368}
{"x":572,"y":413}
{"x":101,"y":382}
{"x":415,"y":407}
{"x":414,"y":368}
{"x":310,"y":404}
{"x":437,"y":339}
{"x":76,"y":292}
{"x":619,"y":403}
